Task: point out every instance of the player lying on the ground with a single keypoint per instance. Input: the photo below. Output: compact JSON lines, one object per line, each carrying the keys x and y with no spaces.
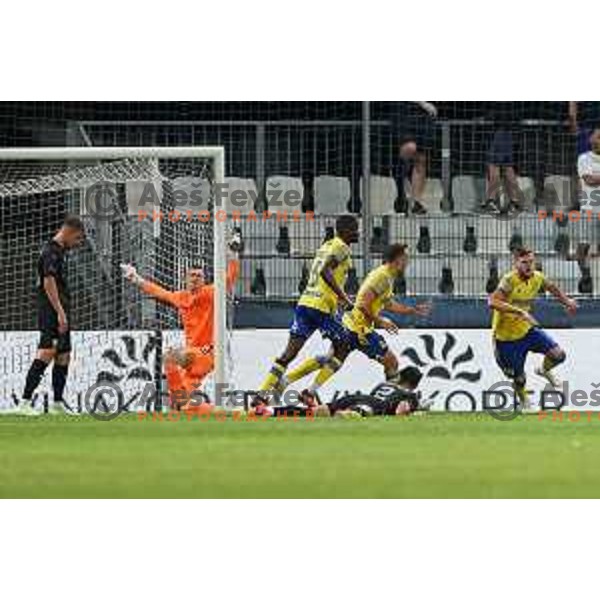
{"x":188,"y":366}
{"x":516,"y":332}
{"x":53,"y":302}
{"x":318,"y":306}
{"x":374,"y":296}
{"x":398,"y":398}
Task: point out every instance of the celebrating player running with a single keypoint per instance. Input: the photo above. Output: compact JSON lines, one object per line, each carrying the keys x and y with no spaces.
{"x":516,"y":332}
{"x":318,"y":305}
{"x":375,"y":295}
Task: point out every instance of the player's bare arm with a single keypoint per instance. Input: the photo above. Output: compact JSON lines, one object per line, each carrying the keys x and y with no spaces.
{"x":420,"y":310}
{"x":327,"y":274}
{"x":591,"y":179}
{"x":569,"y":303}
{"x":153,"y":289}
{"x":51,"y":290}
{"x":365,"y":306}
{"x":499,"y":301}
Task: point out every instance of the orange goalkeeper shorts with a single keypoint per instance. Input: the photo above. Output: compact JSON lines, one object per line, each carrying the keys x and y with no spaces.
{"x":185,"y":379}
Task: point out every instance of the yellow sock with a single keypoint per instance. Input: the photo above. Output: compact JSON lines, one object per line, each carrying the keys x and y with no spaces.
{"x":328,"y":370}
{"x":302,"y":370}
{"x":273,"y":378}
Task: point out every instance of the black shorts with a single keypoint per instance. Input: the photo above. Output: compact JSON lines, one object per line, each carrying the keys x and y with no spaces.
{"x":49,"y":334}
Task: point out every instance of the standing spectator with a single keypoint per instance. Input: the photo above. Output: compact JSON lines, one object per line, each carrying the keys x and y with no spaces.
{"x":582,"y":118}
{"x":413,"y":125}
{"x":588,"y":169}
{"x":500,"y":158}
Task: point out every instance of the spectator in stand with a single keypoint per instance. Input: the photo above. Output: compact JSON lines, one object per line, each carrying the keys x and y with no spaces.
{"x":500,"y":158}
{"x":412,"y":124}
{"x":588,"y":169}
{"x":583,"y":117}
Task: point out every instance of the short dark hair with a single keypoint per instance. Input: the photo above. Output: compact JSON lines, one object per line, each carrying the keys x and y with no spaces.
{"x":522,"y":251}
{"x":410,"y":376}
{"x":408,"y":138}
{"x":345,"y":223}
{"x":394,"y":251}
{"x":73,"y":222}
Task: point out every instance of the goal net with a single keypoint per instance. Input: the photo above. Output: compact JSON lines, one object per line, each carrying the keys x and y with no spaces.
{"x":151,"y":207}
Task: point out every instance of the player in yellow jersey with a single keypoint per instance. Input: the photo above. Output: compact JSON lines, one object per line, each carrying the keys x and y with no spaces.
{"x":318,"y":306}
{"x":360,"y":324}
{"x":516,"y":332}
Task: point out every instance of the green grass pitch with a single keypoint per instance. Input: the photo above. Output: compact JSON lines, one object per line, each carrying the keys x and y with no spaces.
{"x":428,"y":456}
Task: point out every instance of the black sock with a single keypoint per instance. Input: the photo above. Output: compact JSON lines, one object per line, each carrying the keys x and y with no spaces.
{"x":34,"y":376}
{"x":59,"y":380}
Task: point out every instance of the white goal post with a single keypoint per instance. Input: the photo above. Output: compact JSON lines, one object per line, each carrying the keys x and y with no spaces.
{"x":216,"y":156}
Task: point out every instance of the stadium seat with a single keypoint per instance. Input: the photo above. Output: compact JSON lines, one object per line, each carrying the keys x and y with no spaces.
{"x":283,"y":276}
{"x":195,"y":193}
{"x":278,"y":187}
{"x":383,"y":192}
{"x":558,"y":192}
{"x":423,"y":275}
{"x":136,"y":197}
{"x":470,"y":274}
{"x":493,"y":234}
{"x":433,"y":196}
{"x":467,"y":193}
{"x":244,"y":186}
{"x":565,"y":273}
{"x":331,"y":195}
{"x":539,"y":235}
{"x":527,"y":187}
{"x":307,"y":235}
{"x":260,"y":238}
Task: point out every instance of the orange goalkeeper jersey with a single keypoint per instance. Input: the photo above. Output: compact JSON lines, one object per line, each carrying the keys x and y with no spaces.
{"x":196,"y":309}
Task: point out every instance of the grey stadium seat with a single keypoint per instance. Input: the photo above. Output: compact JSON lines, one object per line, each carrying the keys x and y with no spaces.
{"x":239,"y":186}
{"x":470,"y":274}
{"x":467,"y":193}
{"x":423,"y":275}
{"x":383,"y":192}
{"x":331,"y":194}
{"x":283,"y":276}
{"x":280,"y":187}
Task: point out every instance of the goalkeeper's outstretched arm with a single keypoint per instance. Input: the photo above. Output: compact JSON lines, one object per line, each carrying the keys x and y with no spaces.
{"x":152,"y":289}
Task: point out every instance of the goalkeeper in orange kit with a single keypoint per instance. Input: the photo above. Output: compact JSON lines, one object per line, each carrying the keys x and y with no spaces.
{"x":188,"y":366}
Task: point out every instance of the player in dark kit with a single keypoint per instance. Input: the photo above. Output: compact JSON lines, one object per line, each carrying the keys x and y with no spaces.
{"x":53,"y":314}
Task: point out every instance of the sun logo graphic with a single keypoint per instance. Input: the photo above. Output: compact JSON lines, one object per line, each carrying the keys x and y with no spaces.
{"x":443,"y":360}
{"x":131,"y":365}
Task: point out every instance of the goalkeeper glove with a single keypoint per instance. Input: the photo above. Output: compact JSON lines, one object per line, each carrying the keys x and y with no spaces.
{"x":236,"y":243}
{"x":130,"y":273}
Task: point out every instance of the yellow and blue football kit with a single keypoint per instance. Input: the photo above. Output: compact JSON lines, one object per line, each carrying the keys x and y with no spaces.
{"x":514,"y":337}
{"x":317,"y":308}
{"x":360,"y":329}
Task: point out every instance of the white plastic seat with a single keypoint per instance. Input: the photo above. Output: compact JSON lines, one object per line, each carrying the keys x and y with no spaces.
{"x":433,"y":195}
{"x":565,"y":273}
{"x":493,"y":235}
{"x":191,"y":193}
{"x":467,"y":193}
{"x":331,"y":195}
{"x":383,"y":193}
{"x":558,"y":193}
{"x":423,"y":275}
{"x":144,"y":196}
{"x":242,"y":195}
{"x":260,"y":237}
{"x":283,"y":276}
{"x":470,"y":274}
{"x":527,"y":187}
{"x":283,"y":193}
